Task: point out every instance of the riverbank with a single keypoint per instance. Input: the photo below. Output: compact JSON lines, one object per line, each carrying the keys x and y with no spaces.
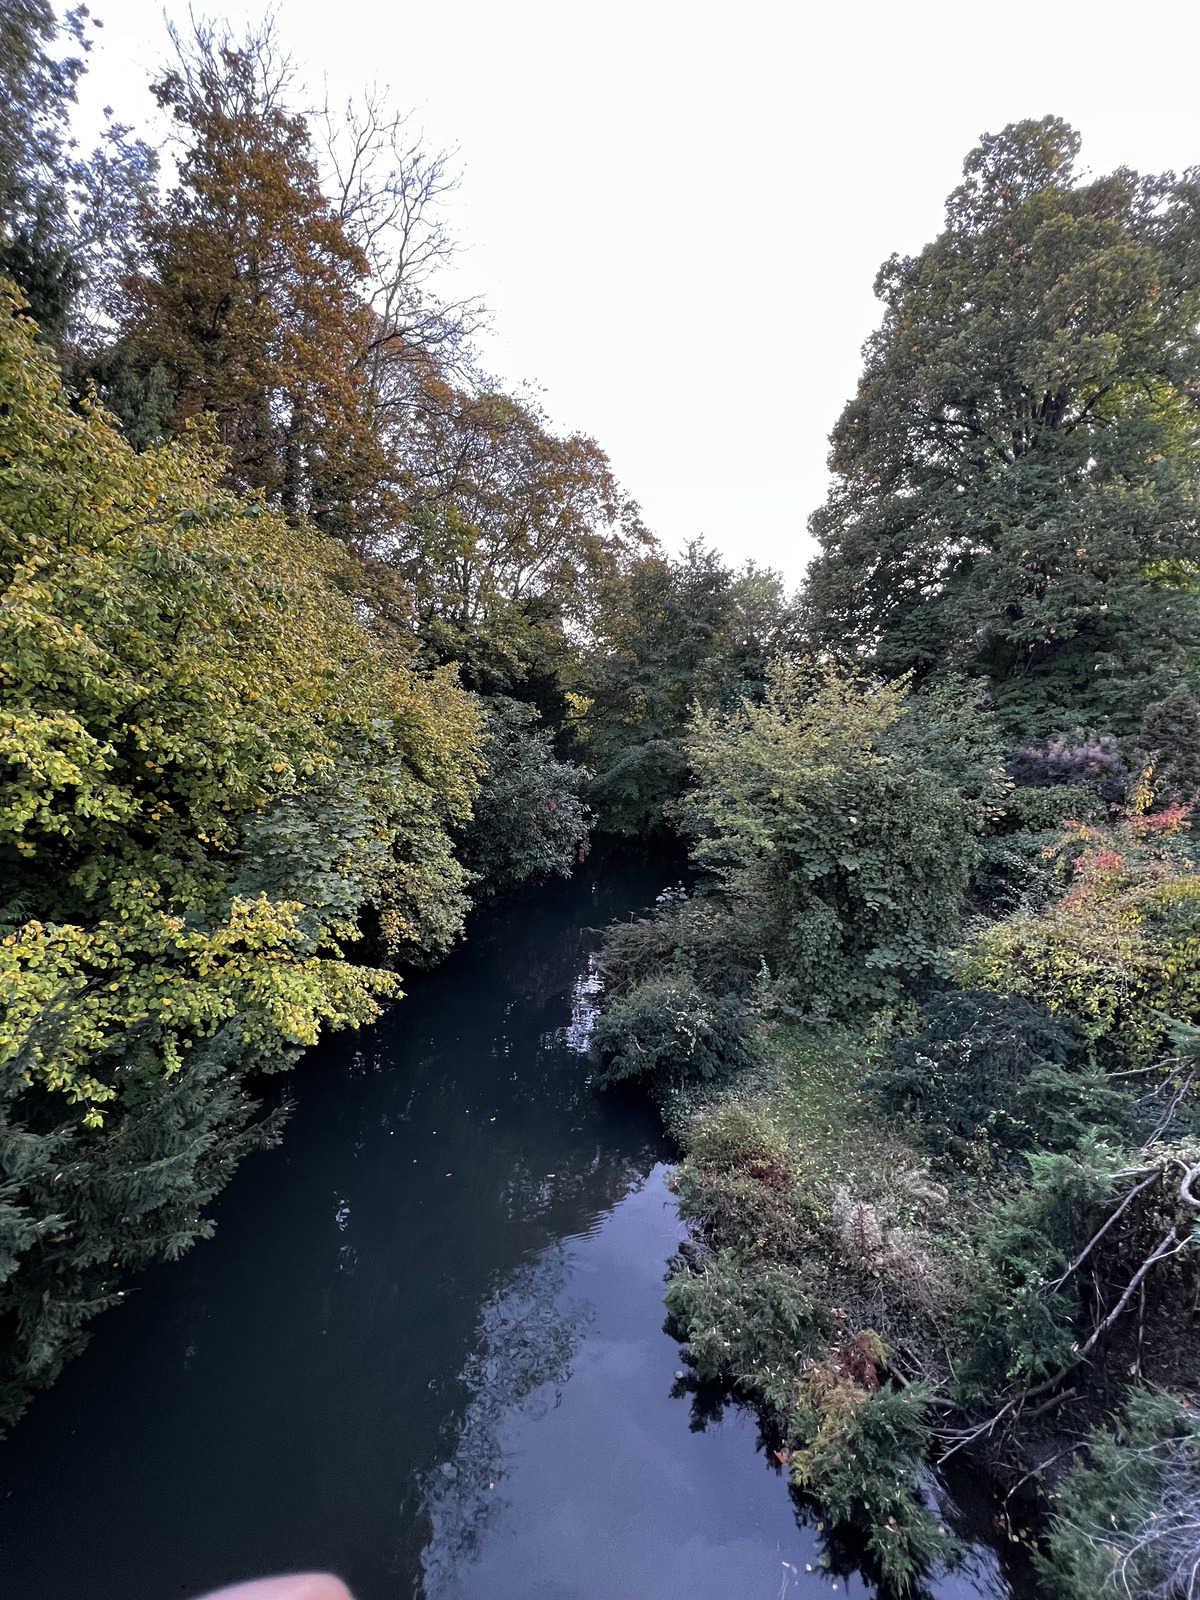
{"x":856,"y":1291}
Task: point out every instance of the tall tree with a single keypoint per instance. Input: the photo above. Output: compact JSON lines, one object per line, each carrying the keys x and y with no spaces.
{"x":1015,"y":482}
{"x":67,"y":222}
{"x":510,"y":530}
{"x":669,"y":635}
{"x":37,"y":88}
{"x":251,"y":298}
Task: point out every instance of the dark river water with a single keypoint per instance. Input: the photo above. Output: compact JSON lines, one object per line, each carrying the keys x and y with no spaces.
{"x":424,"y":1349}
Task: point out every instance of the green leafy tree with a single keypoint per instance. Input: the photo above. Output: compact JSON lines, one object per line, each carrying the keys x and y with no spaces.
{"x":668,"y":635}
{"x":528,"y":822}
{"x":509,"y":531}
{"x":215,"y":782}
{"x":1015,"y":481}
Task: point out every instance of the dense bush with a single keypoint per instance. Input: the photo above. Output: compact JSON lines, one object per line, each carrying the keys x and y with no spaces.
{"x":668,"y":635}
{"x":1118,"y":949}
{"x":1014,"y":871}
{"x":528,"y":821}
{"x":979,"y":1069}
{"x":761,"y":1305}
{"x":672,"y":1036}
{"x":1014,"y":1332}
{"x":842,"y":851}
{"x":1072,"y":759}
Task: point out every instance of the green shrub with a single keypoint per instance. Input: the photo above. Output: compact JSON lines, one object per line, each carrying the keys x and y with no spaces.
{"x":673,"y":1037}
{"x":1170,"y":738}
{"x":995,"y":1068}
{"x":842,"y":849}
{"x":1015,"y":1332}
{"x":1127,"y":1518}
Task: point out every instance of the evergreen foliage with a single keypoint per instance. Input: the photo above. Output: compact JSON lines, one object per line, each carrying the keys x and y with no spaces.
{"x":673,"y":1037}
{"x":968,"y":1073}
{"x":1170,"y":737}
{"x":1127,"y":1517}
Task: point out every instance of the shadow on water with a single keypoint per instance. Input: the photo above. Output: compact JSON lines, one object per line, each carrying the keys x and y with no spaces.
{"x":424,"y":1348}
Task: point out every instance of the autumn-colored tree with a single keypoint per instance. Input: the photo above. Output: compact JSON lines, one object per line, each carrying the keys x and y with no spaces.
{"x":251,"y":298}
{"x":510,"y":529}
{"x":215,"y":783}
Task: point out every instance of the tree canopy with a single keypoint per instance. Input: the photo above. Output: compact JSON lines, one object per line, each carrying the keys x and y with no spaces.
{"x":1015,"y":482}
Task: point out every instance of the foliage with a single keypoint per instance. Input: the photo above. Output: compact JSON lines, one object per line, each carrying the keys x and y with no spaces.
{"x":1170,"y":736}
{"x":1015,"y":480}
{"x":80,"y":1206}
{"x":979,"y":1070}
{"x":672,"y":1036}
{"x":249,"y":298}
{"x":68,"y":223}
{"x":1078,"y":759}
{"x":842,"y":864}
{"x":138,"y":394}
{"x":508,"y":531}
{"x":213,"y":782}
{"x":1116,"y":950}
{"x":668,"y":635}
{"x":528,"y":821}
{"x":1014,"y":871}
{"x":1126,"y":1519}
{"x":754,"y":1309}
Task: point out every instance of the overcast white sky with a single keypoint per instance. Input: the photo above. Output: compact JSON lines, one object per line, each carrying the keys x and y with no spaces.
{"x":676,"y":211}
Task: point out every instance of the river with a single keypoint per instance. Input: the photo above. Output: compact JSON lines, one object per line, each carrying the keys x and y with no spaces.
{"x":424,"y":1348}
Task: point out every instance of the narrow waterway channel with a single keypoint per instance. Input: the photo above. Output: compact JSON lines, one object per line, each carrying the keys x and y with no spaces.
{"x":425,"y":1347}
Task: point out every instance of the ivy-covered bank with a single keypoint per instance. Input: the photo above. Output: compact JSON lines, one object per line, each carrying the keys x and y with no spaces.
{"x":927,"y":1036}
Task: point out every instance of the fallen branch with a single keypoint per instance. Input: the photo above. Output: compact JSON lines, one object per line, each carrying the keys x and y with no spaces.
{"x":1169,"y":1115}
{"x":1171,"y":1244}
{"x":1053,"y":1288}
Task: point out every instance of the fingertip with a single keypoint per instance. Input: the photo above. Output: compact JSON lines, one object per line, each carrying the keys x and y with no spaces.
{"x":295,"y":1586}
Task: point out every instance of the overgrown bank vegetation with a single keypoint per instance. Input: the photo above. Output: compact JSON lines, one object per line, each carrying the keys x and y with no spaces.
{"x":926,"y":1026}
{"x":311,"y":638}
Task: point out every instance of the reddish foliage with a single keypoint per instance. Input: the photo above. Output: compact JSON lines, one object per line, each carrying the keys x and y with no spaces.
{"x":856,"y":1362}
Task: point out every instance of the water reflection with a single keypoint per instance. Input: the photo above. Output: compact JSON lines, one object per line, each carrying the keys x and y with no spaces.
{"x":527,"y":1341}
{"x":423,"y":1349}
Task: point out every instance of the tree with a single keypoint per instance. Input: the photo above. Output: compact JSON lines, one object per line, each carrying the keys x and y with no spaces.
{"x":67,"y":223}
{"x":388,"y":191}
{"x":216,"y":788}
{"x":1015,"y":482}
{"x":36,"y":91}
{"x":510,"y":530}
{"x":251,"y":297}
{"x":668,"y":635}
{"x":528,"y":822}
